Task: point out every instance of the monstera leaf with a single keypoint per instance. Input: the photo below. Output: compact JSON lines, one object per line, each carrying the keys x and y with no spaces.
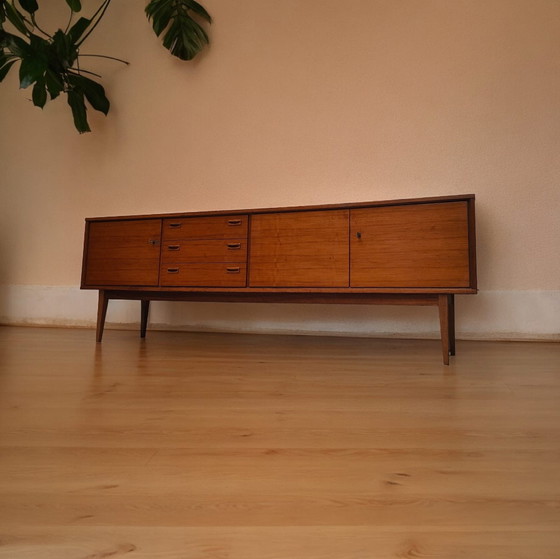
{"x":184,"y":37}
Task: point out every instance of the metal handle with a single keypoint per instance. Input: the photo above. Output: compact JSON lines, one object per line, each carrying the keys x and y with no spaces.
{"x":234,"y":222}
{"x":172,"y":270}
{"x":173,"y":247}
{"x":175,"y":225}
{"x":235,"y":270}
{"x":234,"y":246}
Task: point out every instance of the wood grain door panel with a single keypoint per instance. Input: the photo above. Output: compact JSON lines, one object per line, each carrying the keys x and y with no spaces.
{"x":423,"y":245}
{"x":123,"y":252}
{"x":299,"y":249}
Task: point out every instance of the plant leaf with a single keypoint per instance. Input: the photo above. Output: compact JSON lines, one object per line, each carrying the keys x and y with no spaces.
{"x":30,"y":6}
{"x":78,"y":29}
{"x":184,"y":37}
{"x":198,"y":10}
{"x":16,"y":45}
{"x":75,"y":5}
{"x":39,"y":94}
{"x":79,"y":111}
{"x":31,"y":69}
{"x":94,"y":92}
{"x":15,"y":18}
{"x":54,"y":84}
{"x":160,"y":12}
{"x":65,"y":52}
{"x":5,"y":69}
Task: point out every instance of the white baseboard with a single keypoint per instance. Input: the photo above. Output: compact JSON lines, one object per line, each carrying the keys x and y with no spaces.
{"x":513,"y":315}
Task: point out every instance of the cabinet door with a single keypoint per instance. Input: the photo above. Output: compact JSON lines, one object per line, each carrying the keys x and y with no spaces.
{"x":299,"y":249}
{"x":421,"y":245}
{"x":123,"y":253}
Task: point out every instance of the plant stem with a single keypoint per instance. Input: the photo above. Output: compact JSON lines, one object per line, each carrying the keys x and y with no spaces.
{"x":109,"y":57}
{"x":69,"y":22}
{"x":34,"y":21}
{"x":101,"y":11}
{"x":78,"y":71}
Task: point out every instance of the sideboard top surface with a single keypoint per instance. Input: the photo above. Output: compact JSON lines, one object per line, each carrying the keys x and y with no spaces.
{"x":352,"y":205}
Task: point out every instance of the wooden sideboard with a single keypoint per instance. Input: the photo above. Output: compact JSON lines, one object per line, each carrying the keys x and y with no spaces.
{"x":399,"y":252}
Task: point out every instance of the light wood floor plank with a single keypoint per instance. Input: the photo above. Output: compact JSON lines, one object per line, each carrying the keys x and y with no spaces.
{"x":208,"y":446}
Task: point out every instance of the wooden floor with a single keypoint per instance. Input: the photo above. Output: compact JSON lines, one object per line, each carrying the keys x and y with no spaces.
{"x":210,"y":446}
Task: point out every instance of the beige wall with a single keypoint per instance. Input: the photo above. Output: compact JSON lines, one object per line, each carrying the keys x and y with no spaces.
{"x":303,"y":102}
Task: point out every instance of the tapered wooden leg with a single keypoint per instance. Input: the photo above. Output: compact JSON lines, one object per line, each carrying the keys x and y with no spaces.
{"x":101,"y":314}
{"x":443,"y":304}
{"x":145,"y":309}
{"x":451,"y":324}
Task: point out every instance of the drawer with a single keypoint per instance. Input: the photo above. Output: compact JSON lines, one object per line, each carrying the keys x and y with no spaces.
{"x":204,"y":250}
{"x":220,"y":227}
{"x":211,"y":274}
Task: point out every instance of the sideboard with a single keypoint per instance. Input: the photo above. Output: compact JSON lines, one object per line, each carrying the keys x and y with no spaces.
{"x":418,"y":251}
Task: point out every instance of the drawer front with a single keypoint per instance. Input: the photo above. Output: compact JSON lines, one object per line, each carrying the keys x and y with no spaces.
{"x":212,"y":274}
{"x":221,"y":227}
{"x":204,"y":250}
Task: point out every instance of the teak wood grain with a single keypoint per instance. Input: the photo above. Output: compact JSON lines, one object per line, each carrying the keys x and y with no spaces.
{"x":410,"y":246}
{"x":219,"y":227}
{"x":204,"y":250}
{"x":220,"y":274}
{"x":123,"y":253}
{"x":299,"y":249}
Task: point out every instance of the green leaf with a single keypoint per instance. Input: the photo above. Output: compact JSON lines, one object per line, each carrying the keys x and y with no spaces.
{"x":5,"y":69}
{"x":79,"y":111}
{"x":94,"y":92}
{"x":160,"y":13}
{"x":30,"y":6}
{"x":65,"y":51}
{"x":39,"y":94}
{"x":75,"y":5}
{"x":15,"y":18}
{"x":31,"y":70}
{"x":78,"y":29}
{"x":184,"y":37}
{"x":198,"y":10}
{"x":16,"y":45}
{"x":54,"y":84}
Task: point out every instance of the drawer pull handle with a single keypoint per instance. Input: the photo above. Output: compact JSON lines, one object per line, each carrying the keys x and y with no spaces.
{"x":234,"y":246}
{"x":175,"y":225}
{"x":173,"y":247}
{"x":172,"y":270}
{"x":234,"y":270}
{"x":234,"y":222}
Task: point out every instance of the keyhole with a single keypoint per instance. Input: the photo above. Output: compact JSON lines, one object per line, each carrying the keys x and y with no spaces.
{"x":359,"y":235}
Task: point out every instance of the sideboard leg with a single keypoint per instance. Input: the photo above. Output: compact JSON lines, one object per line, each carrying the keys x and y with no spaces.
{"x":145,"y":309}
{"x":101,"y":314}
{"x":451,"y":302}
{"x":443,"y":304}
